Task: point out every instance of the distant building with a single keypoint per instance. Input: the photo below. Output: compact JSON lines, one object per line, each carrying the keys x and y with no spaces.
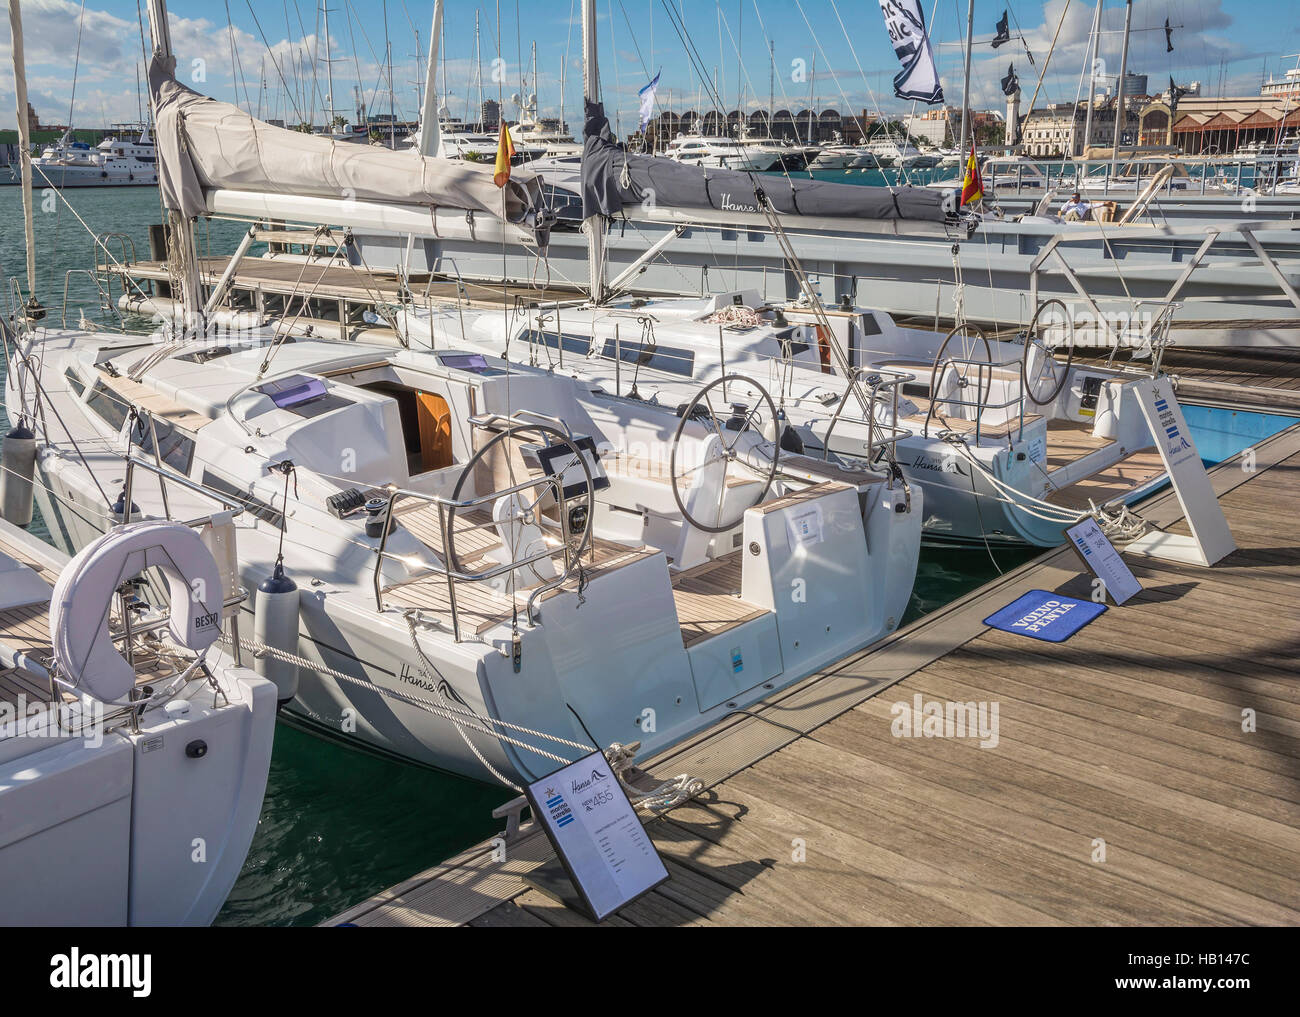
{"x":1287,"y":86}
{"x":1057,"y":130}
{"x":490,"y":115}
{"x":938,"y":126}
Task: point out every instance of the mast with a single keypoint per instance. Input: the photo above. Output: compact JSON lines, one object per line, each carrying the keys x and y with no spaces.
{"x":1119,"y":89}
{"x":329,"y":71}
{"x":1092,"y":78}
{"x":593,"y":226}
{"x":478,"y":71}
{"x":771,"y":84}
{"x":24,"y":142}
{"x":180,"y":227}
{"x":430,"y":131}
{"x":812,"y":101}
{"x":965,"y":88}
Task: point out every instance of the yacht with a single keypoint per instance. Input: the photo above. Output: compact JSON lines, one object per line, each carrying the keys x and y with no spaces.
{"x":498,"y":565}
{"x":837,"y":155}
{"x":723,"y":153}
{"x":458,"y":140}
{"x":1008,"y":439}
{"x":892,"y":151}
{"x":529,"y":134}
{"x":134,"y":750}
{"x":117,"y":161}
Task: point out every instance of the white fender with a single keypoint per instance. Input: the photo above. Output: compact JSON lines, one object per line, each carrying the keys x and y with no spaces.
{"x":79,"y":607}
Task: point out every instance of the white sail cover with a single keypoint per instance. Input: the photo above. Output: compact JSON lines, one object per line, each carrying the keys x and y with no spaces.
{"x":918,"y":79}
{"x":205,"y":145}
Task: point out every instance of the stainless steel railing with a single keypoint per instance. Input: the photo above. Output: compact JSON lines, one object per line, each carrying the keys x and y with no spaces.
{"x":454,"y":576}
{"x":984,"y":369}
{"x":878,"y":382}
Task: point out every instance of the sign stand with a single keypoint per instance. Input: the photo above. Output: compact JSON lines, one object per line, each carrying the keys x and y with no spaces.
{"x":1100,"y":558}
{"x":604,"y":857}
{"x":551,"y":878}
{"x":1211,"y":539}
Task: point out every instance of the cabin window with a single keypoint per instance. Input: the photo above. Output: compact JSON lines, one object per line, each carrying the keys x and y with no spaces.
{"x":577,"y":344}
{"x":671,"y":359}
{"x":175,"y":447}
{"x":106,"y":404}
{"x":75,"y":383}
{"x":869,"y":325}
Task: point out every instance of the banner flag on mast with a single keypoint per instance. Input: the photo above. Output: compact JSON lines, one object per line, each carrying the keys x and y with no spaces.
{"x":647,"y":96}
{"x":1004,"y":33}
{"x":505,"y":153}
{"x":972,"y":186}
{"x":1169,"y":37}
{"x":918,"y":80}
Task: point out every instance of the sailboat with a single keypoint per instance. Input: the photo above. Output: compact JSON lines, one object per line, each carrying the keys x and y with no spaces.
{"x":486,"y":573}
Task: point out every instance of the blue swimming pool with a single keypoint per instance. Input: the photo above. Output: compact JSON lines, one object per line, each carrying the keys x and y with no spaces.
{"x":1221,"y":433}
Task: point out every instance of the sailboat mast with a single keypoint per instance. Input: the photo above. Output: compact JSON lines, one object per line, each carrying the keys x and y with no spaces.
{"x":1092,"y":79}
{"x":430,"y":131}
{"x":478,"y":71}
{"x":812,"y":101}
{"x":1119,"y":88}
{"x":329,"y":70}
{"x":771,"y":85}
{"x":593,"y":226}
{"x":181,"y":229}
{"x":965,"y":88}
{"x":24,"y":141}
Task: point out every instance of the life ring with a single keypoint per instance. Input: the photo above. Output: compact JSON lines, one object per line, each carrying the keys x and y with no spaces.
{"x":83,"y":595}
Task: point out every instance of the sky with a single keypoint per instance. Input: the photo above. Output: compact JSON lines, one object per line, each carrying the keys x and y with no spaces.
{"x":269,"y":55}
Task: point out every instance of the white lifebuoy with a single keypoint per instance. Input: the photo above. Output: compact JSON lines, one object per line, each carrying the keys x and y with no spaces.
{"x":79,"y":607}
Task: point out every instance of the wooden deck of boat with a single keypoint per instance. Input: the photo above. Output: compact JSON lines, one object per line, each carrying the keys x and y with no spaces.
{"x":707,"y":597}
{"x":1124,"y":787}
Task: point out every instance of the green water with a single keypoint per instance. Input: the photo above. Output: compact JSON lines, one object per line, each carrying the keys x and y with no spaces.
{"x":337,"y":825}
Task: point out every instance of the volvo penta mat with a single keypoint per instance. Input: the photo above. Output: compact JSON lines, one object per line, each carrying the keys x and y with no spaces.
{"x":1052,"y":617}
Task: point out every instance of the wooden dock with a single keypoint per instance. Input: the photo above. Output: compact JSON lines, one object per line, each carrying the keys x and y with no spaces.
{"x":1147,"y":771}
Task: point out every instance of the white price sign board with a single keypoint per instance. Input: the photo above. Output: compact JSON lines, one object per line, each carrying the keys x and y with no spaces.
{"x":596,"y":834}
{"x":1102,"y":560}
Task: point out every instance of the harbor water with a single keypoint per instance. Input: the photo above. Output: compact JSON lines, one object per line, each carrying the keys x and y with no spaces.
{"x":339,"y":825}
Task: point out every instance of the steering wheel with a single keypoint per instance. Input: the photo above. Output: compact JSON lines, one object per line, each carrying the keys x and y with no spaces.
{"x":453,"y":562}
{"x":724,"y":451}
{"x":967,"y":336}
{"x":1047,"y":362}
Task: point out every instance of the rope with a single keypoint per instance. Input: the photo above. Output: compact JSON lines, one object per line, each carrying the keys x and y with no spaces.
{"x":738,"y":315}
{"x":665,"y":795}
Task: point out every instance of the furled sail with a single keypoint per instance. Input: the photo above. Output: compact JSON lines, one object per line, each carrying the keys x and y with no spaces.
{"x":614,"y":181}
{"x":206,"y":145}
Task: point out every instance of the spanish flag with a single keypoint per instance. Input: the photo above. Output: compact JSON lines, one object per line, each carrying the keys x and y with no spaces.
{"x":972,"y":187}
{"x":505,"y":152}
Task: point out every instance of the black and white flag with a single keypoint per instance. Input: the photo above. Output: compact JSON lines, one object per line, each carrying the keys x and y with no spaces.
{"x":918,"y":79}
{"x":1010,"y":83}
{"x":1175,"y":93}
{"x":1004,"y":33}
